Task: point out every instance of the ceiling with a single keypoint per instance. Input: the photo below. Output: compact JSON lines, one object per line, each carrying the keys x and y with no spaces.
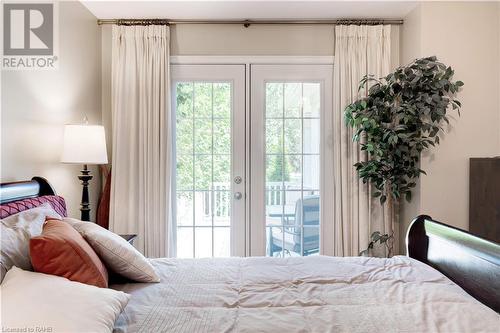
{"x":252,"y":10}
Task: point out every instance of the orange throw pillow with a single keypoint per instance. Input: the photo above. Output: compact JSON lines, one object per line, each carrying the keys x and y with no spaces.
{"x":61,"y":250}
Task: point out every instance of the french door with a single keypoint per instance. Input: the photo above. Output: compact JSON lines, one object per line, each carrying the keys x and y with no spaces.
{"x":291,"y":159}
{"x":252,"y":153}
{"x":209,"y":210}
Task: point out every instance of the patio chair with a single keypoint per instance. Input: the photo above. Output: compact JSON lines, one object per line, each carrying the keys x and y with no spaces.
{"x":289,"y":237}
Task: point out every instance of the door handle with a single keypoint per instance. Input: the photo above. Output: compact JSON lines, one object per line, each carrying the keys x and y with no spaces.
{"x":238,"y":195}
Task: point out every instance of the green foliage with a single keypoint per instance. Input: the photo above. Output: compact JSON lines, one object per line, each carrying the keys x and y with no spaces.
{"x":278,"y":168}
{"x":203,"y":134}
{"x":203,"y":130}
{"x":283,"y":129}
{"x":383,"y":239}
{"x":401,"y":116}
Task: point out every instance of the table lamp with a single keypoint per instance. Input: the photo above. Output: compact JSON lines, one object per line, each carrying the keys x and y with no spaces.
{"x":84,"y":144}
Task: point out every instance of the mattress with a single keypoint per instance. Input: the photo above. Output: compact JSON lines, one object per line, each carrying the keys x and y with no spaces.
{"x":301,"y":294}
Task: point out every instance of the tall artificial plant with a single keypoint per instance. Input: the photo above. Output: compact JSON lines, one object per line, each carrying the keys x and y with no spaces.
{"x":402,"y":115}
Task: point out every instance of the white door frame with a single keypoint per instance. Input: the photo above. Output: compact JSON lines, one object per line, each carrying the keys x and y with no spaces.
{"x":236,"y":75}
{"x":247,"y":61}
{"x":295,"y":73}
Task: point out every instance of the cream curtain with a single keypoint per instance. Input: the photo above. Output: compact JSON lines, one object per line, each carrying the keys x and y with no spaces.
{"x":359,"y":50}
{"x":142,"y":133}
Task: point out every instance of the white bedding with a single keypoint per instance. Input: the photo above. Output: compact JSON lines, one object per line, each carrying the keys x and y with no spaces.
{"x":311,"y":294}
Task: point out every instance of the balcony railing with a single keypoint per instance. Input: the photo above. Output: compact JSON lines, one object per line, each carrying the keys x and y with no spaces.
{"x":276,"y":198}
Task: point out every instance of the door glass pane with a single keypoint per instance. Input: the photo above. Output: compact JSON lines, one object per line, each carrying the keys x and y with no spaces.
{"x":203,"y":172}
{"x":222,"y":136}
{"x":203,"y":169}
{"x":274,"y":139}
{"x":185,"y":238}
{"x":311,"y":172}
{"x":203,"y":208}
{"x":203,"y":136}
{"x":222,"y":236}
{"x":311,"y":136}
{"x":293,"y":172}
{"x":292,"y":137}
{"x":274,"y":100}
{"x":203,"y":244}
{"x":184,"y":170}
{"x":185,"y":208}
{"x":293,"y":99}
{"x":311,"y":100}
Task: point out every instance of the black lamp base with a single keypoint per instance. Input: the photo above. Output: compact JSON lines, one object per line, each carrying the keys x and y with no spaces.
{"x":85,"y":177}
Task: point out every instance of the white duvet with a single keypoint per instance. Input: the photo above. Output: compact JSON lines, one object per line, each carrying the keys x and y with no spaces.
{"x":311,"y":294}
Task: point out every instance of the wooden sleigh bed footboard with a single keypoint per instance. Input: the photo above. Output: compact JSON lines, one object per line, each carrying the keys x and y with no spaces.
{"x":470,"y":261}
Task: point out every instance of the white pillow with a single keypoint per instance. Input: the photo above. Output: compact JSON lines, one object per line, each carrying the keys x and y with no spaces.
{"x":116,"y":253}
{"x":35,"y":301}
{"x":15,"y":233}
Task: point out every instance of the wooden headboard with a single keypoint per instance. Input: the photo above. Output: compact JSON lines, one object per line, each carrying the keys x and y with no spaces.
{"x":470,"y":261}
{"x":36,"y":187}
{"x":16,"y":197}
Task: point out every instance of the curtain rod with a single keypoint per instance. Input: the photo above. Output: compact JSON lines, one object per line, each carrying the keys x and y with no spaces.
{"x":247,"y":23}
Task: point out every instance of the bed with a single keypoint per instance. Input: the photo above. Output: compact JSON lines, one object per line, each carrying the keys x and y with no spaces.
{"x":449,"y":282}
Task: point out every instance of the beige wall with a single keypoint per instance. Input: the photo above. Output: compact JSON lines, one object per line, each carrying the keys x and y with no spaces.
{"x":464,"y":35}
{"x":36,"y":105}
{"x":192,"y":39}
{"x":411,"y":48}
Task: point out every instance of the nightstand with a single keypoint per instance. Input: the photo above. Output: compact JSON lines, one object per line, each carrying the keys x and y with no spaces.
{"x":129,"y":238}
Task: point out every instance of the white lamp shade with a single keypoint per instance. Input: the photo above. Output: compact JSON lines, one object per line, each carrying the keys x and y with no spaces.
{"x":84,"y":144}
